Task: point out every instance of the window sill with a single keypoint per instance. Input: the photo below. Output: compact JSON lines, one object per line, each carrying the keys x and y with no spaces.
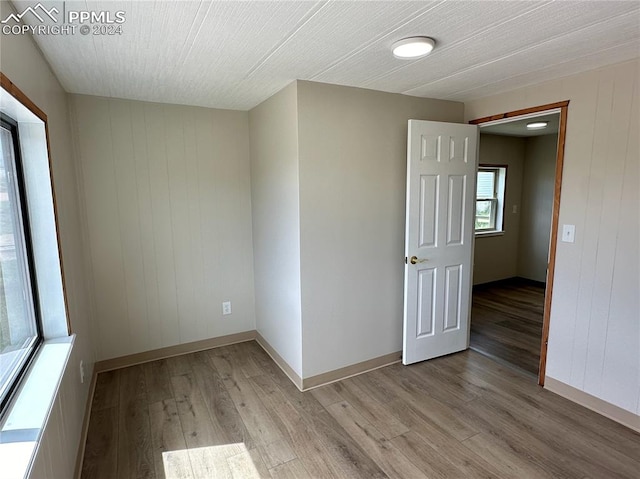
{"x":489,"y":234}
{"x":22,"y":427}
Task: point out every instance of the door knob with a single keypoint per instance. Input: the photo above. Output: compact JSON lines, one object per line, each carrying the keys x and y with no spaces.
{"x":416,"y":260}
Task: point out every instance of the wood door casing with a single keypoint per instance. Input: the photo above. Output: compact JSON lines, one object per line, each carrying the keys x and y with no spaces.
{"x":563,"y":106}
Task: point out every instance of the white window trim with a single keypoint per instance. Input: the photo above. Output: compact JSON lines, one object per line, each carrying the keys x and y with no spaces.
{"x":24,"y":420}
{"x":21,"y":430}
{"x":501,"y":187}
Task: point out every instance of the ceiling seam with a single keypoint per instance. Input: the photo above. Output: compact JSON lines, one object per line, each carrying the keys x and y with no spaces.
{"x":313,"y":11}
{"x":188,"y":39}
{"x":512,"y":54}
{"x":363,"y":46}
{"x":455,"y":44}
{"x":535,"y":82}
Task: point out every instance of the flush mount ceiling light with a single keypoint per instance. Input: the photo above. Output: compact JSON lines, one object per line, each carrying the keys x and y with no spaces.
{"x":413,"y":47}
{"x":537,"y":125}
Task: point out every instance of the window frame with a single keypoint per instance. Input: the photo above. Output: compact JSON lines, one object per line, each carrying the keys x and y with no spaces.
{"x":498,"y":200}
{"x":16,"y":376}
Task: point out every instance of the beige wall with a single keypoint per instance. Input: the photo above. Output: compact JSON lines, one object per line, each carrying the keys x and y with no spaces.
{"x":167,"y":195}
{"x":275,"y":195}
{"x":328,"y":171}
{"x":537,"y":206}
{"x":352,"y":147}
{"x":594,"y":339}
{"x":22,"y":63}
{"x":496,"y":257}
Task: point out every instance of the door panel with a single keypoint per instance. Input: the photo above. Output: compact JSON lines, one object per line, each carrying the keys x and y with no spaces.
{"x":458,"y":146}
{"x":430,"y":148}
{"x":453,"y":299}
{"x":456,"y":209}
{"x":441,"y":169}
{"x":429,"y":189}
{"x":426,"y":294}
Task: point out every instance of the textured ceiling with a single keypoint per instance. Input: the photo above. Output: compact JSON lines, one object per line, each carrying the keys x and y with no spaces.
{"x":519,"y":127}
{"x":228,"y":54}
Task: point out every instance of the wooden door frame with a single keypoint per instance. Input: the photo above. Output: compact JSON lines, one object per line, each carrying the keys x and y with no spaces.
{"x":563,"y":106}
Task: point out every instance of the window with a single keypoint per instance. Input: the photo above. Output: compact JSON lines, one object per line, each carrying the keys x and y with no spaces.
{"x":20,"y":329}
{"x":490,"y":199}
{"x":35,"y":337}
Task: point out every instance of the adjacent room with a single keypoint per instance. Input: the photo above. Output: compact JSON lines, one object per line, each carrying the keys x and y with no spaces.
{"x":319,"y":239}
{"x":514,"y":210}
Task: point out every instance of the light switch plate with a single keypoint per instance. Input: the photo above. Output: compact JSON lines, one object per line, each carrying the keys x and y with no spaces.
{"x":568,"y":233}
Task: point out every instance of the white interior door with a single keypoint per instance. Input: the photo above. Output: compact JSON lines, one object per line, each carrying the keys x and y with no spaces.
{"x":441,"y":178}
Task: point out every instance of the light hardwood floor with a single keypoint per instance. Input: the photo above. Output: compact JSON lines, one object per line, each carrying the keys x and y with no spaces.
{"x":230,"y":412}
{"x":506,"y":321}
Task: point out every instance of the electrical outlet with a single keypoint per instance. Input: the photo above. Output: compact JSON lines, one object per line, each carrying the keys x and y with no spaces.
{"x":226,"y":308}
{"x":81,"y":371}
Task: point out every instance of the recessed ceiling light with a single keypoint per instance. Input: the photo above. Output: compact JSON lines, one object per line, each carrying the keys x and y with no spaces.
{"x":537,"y":125}
{"x":414,"y":47}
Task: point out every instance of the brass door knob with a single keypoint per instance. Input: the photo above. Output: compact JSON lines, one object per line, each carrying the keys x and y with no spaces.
{"x":416,"y":260}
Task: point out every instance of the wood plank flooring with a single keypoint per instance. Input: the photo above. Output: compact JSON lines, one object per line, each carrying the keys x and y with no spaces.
{"x":230,"y":412}
{"x":506,"y":321}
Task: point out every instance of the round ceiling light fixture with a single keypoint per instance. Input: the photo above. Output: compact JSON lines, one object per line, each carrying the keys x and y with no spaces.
{"x":537,"y":125}
{"x":413,"y":47}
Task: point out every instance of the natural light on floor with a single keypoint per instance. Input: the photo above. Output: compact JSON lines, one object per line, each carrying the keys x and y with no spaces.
{"x":226,"y":460}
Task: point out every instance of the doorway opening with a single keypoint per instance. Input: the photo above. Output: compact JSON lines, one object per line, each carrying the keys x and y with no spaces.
{"x":517,"y":205}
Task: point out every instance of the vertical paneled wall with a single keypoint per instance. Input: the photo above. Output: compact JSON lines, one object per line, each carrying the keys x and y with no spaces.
{"x":63,"y":430}
{"x":167,"y":196}
{"x":594,"y":339}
